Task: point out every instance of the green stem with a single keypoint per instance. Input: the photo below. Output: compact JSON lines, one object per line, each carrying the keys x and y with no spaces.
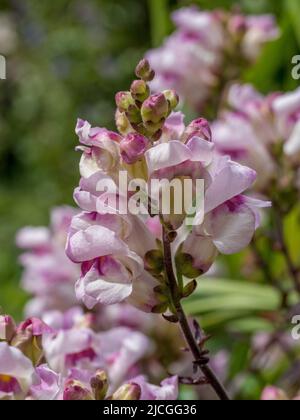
{"x":159,"y":20}
{"x":184,"y":324}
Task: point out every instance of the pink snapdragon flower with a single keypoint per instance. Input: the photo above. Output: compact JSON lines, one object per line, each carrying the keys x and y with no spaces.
{"x":114,"y":249}
{"x":49,"y":275}
{"x":207,"y":43}
{"x":16,"y":373}
{"x":256,"y":127}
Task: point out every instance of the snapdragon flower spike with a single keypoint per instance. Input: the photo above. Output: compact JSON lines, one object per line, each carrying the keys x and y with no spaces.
{"x":116,"y":251}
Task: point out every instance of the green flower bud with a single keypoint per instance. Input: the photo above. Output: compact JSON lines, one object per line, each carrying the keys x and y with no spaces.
{"x":123,"y":125}
{"x":155,"y":260}
{"x":186,"y":264}
{"x":124,"y":100}
{"x":172,"y":98}
{"x":99,"y":384}
{"x":140,"y":91}
{"x":144,"y":71}
{"x":133,"y":114}
{"x":128,"y":392}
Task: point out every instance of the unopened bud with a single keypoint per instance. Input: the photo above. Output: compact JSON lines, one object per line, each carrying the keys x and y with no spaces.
{"x":140,"y":91}
{"x":271,"y":393}
{"x":28,"y":338}
{"x":124,"y":100}
{"x":154,"y":112}
{"x":99,"y":384}
{"x":189,"y":289}
{"x":198,"y":128}
{"x":128,"y":392}
{"x":133,"y":147}
{"x":144,"y":71}
{"x":123,"y":125}
{"x":134,"y":114}
{"x":155,"y":260}
{"x":76,"y":391}
{"x":172,"y":97}
{"x":7,"y":328}
{"x":186,"y":264}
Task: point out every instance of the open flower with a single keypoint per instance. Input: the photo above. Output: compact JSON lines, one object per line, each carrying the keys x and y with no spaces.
{"x":257,"y":128}
{"x":111,"y":271}
{"x":16,"y":373}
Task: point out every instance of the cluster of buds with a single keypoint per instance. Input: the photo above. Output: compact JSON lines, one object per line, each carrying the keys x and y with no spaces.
{"x":98,"y":390}
{"x":140,"y":114}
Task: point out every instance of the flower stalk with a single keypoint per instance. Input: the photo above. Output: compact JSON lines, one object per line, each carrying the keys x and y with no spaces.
{"x":194,"y":347}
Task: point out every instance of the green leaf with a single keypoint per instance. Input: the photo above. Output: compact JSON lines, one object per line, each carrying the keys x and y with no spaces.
{"x":213,"y":286}
{"x":250,"y":326}
{"x":234,"y":303}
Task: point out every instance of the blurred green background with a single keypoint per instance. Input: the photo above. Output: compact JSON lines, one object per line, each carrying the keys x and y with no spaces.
{"x":67,"y":59}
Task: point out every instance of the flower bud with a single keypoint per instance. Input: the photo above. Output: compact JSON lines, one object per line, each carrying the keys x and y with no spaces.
{"x":186,"y":264}
{"x":271,"y":393}
{"x":7,"y":328}
{"x":172,"y":97}
{"x":128,"y":392}
{"x":133,"y":147}
{"x":134,"y":114}
{"x":154,"y":112}
{"x":123,"y":125}
{"x":124,"y":100}
{"x":198,"y":128}
{"x":140,"y":91}
{"x":28,"y":338}
{"x":189,"y":289}
{"x":99,"y":384}
{"x":144,"y":71}
{"x":155,"y":260}
{"x":76,"y":391}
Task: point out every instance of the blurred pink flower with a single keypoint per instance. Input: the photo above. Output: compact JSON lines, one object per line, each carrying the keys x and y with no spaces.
{"x":49,"y":275}
{"x":207,"y":43}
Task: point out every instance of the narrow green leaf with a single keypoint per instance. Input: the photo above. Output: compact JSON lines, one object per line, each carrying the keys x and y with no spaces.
{"x":214,"y":286}
{"x":235,"y":302}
